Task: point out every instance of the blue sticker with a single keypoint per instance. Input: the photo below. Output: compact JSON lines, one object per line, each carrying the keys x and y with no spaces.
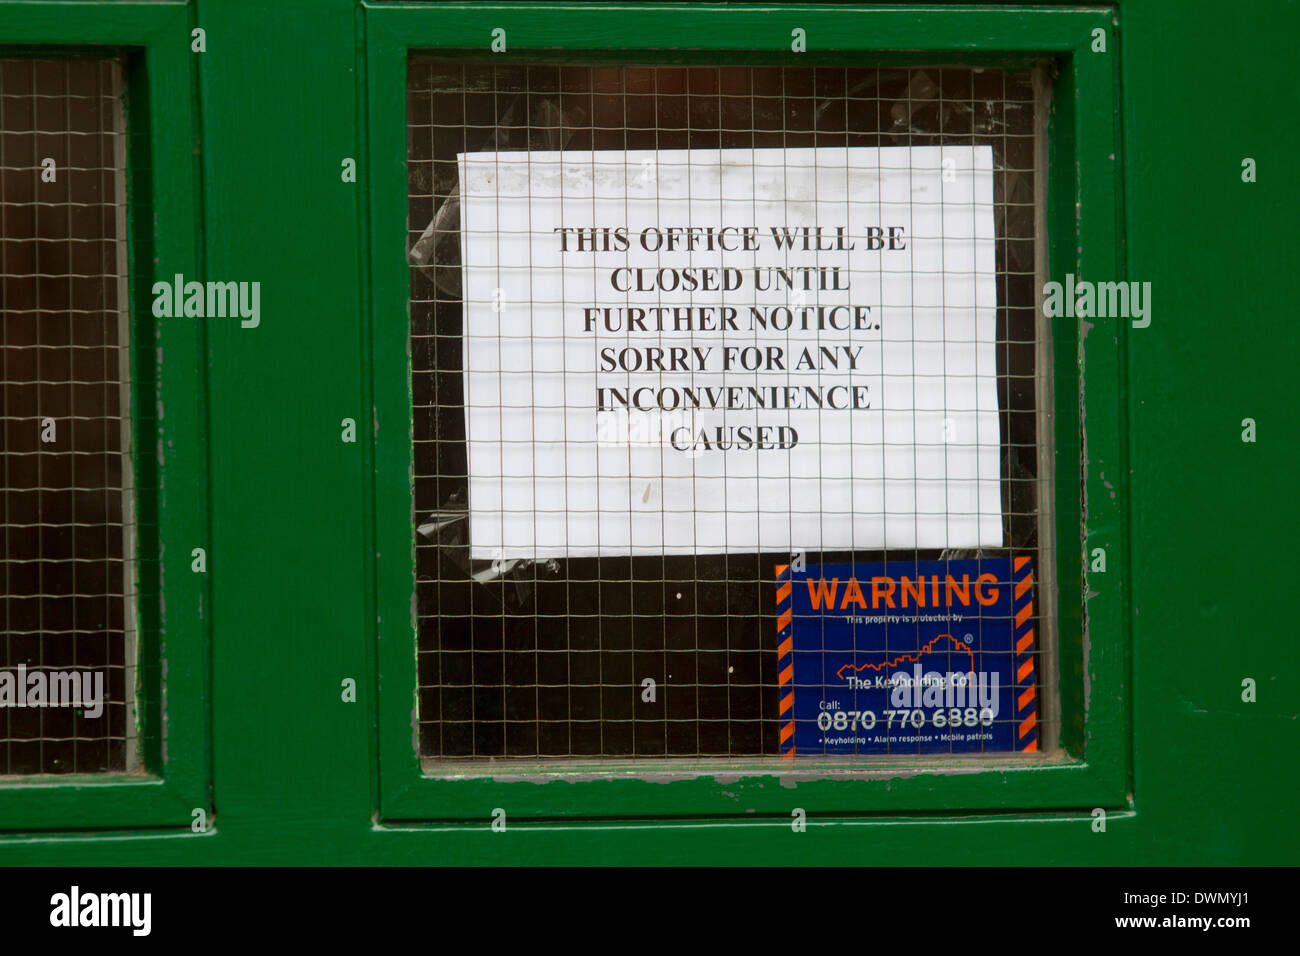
{"x":907,"y":657}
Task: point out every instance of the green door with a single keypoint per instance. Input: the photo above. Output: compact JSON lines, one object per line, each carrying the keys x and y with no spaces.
{"x":291,"y":553}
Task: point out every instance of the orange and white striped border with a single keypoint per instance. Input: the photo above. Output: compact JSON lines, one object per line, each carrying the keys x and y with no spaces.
{"x":785,"y":658}
{"x":1026,"y":736}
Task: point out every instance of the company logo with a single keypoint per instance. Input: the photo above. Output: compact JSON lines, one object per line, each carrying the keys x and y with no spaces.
{"x":951,"y":689}
{"x":217,"y":300}
{"x":1082,"y":299}
{"x":38,"y":688}
{"x":909,"y":658}
{"x":77,"y":909}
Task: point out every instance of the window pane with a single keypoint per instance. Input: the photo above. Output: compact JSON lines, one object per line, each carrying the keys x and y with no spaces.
{"x":547,"y":657}
{"x":66,"y":661}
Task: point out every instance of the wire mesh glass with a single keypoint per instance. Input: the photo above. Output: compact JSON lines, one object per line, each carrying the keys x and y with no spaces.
{"x":66,"y":607}
{"x":547,"y":658}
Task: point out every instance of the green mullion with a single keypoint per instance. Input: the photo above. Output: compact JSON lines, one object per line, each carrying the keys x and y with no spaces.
{"x":1104,"y":467}
{"x":393,"y":473}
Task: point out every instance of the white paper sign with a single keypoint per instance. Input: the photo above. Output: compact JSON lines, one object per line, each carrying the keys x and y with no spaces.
{"x":708,"y":351}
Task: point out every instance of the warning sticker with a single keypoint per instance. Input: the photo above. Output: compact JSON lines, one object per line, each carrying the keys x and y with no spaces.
{"x":907,"y":657}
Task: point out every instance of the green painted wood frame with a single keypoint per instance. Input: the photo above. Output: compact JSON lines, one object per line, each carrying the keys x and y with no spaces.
{"x":1084,"y":228}
{"x":169,"y":426}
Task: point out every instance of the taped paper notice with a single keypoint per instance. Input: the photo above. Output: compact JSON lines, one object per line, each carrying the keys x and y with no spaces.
{"x":712,"y":351}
